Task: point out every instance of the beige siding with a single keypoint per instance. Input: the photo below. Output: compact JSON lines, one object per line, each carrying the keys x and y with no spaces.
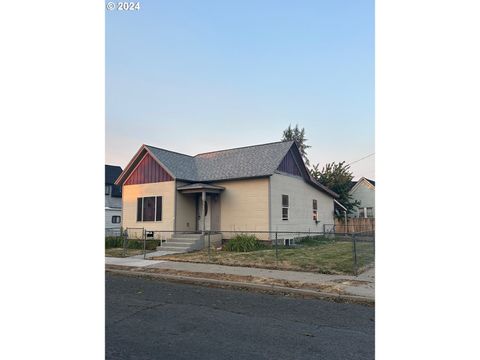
{"x":185,"y":217}
{"x":301,"y":196}
{"x":132,"y":192}
{"x":244,"y":205}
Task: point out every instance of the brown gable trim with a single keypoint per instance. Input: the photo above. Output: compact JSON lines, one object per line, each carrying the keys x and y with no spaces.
{"x":305,"y":173}
{"x":135,"y":161}
{"x":159,"y":162}
{"x":289,"y":165}
{"x":147,"y":171}
{"x":126,"y":171}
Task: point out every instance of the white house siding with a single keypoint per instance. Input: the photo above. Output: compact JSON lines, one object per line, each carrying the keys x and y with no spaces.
{"x":365,"y":193}
{"x":301,"y":195}
{"x":130,"y":194}
{"x":112,"y":202}
{"x":111,"y":228}
{"x":113,"y":206}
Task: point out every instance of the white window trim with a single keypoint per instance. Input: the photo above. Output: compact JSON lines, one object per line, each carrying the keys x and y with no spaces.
{"x":366,"y":212}
{"x":286,"y":207}
{"x":155,"y":214}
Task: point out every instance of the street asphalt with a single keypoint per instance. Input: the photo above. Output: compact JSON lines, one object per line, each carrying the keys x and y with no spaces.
{"x":153,"y":319}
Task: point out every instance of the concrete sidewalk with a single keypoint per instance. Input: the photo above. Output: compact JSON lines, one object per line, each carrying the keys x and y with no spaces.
{"x":362,"y":286}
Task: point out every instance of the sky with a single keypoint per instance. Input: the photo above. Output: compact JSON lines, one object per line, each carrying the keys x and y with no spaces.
{"x":195,"y":76}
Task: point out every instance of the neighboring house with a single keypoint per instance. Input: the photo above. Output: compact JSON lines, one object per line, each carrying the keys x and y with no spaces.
{"x":255,"y":188}
{"x":113,"y":200}
{"x":363,"y":190}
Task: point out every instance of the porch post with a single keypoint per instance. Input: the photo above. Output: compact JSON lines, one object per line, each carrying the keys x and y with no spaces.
{"x":204,"y":199}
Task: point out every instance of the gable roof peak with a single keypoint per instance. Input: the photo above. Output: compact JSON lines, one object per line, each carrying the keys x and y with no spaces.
{"x":243,"y":147}
{"x":170,"y":151}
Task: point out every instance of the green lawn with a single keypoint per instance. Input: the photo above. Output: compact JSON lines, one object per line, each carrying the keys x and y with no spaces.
{"x":324,"y":257}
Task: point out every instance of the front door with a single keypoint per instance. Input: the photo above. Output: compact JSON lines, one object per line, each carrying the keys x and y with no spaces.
{"x":207,"y":213}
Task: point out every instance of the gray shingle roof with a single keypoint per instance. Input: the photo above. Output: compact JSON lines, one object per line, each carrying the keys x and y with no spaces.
{"x":245,"y":162}
{"x":111,"y":173}
{"x":180,"y":165}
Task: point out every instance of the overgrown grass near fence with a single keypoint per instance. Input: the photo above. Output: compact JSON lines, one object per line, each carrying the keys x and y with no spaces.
{"x":243,"y":243}
{"x":114,"y":246}
{"x":317,"y":254}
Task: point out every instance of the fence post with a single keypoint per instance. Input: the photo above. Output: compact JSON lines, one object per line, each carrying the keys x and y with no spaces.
{"x":125,"y":241}
{"x":209,"y":246}
{"x":144,"y":244}
{"x":276,"y":248}
{"x":355,"y":264}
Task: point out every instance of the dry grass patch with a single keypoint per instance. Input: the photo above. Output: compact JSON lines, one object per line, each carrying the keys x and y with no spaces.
{"x":118,"y":252}
{"x":326,"y":258}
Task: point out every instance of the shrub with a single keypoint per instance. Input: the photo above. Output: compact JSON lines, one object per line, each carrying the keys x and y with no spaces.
{"x":117,"y":242}
{"x":243,"y":243}
{"x":313,"y":240}
{"x":138,"y":244}
{"x":113,"y":242}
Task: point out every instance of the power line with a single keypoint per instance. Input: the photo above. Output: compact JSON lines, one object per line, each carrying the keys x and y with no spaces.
{"x":353,"y":162}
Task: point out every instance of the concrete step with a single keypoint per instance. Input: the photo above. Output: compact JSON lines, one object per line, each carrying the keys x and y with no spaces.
{"x":175,"y":245}
{"x":174,"y":249}
{"x":187,"y":236}
{"x":183,"y":240}
{"x":179,"y":243}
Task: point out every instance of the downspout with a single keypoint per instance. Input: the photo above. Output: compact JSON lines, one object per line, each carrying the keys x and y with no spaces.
{"x":204,"y":199}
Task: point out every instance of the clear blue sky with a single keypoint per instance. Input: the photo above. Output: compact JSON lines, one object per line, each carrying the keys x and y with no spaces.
{"x":195,"y":76}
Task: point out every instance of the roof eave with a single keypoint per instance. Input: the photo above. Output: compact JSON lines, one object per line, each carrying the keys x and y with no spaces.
{"x":127,"y":171}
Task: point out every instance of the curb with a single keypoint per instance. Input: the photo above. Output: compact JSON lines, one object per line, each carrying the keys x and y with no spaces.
{"x":242,"y":285}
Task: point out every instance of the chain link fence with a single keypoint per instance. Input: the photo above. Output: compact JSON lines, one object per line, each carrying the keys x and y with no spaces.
{"x":324,"y":252}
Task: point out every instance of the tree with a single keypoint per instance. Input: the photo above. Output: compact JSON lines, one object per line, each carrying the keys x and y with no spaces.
{"x":338,"y":178}
{"x":299,"y":137}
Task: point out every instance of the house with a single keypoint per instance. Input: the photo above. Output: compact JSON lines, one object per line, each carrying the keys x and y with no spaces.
{"x":262,"y":188}
{"x":113,"y":200}
{"x":363,"y":190}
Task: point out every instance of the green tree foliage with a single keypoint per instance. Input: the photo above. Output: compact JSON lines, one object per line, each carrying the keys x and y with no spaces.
{"x":337,"y":177}
{"x":298,"y":135}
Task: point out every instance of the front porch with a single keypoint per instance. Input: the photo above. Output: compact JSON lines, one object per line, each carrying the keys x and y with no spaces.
{"x":205,"y":198}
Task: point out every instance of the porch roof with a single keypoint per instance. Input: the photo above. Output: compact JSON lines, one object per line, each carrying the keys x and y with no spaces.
{"x":200,"y":187}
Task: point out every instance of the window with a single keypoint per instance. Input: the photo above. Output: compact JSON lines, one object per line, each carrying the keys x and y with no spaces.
{"x":370,"y":212}
{"x":107,"y":189}
{"x":116,"y":219}
{"x":315,"y":210}
{"x":285,"y":203}
{"x":149,"y":208}
{"x":139,"y":209}
{"x":361,"y":212}
{"x":158,"y":215}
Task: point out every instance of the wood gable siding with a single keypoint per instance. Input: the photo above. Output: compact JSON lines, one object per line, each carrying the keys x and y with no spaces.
{"x":289,"y":165}
{"x":148,"y":171}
